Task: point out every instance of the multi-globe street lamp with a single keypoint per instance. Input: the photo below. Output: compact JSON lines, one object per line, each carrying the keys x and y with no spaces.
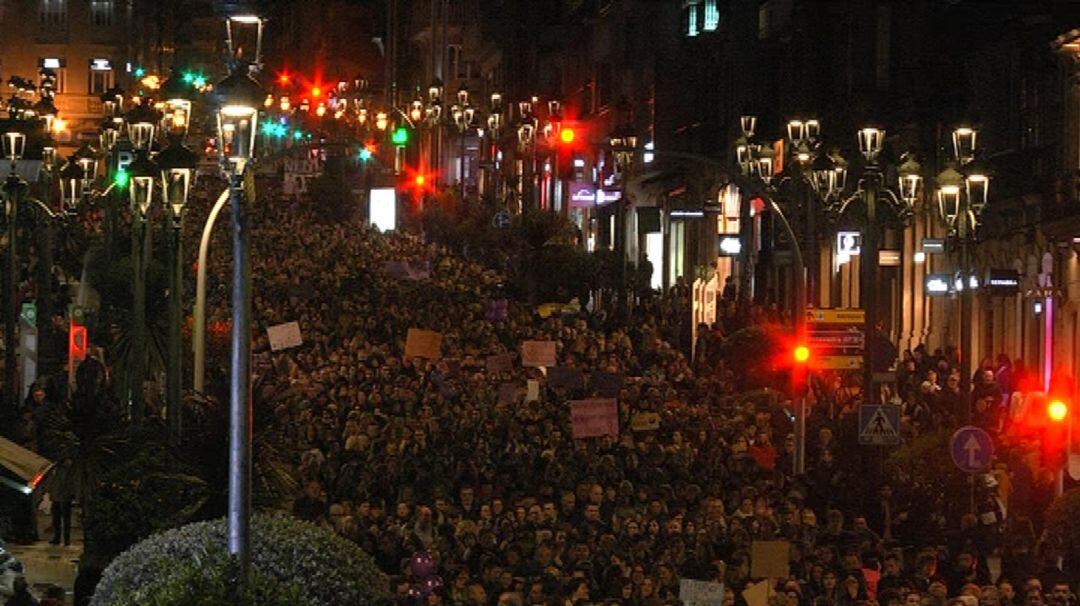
{"x":142,"y":123}
{"x":872,"y":192}
{"x":15,"y":189}
{"x":822,"y":178}
{"x":962,"y":190}
{"x":177,"y":165}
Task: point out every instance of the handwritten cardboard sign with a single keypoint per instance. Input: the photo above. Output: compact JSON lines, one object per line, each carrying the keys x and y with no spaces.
{"x":565,"y":377}
{"x":284,"y":336}
{"x":532,"y":390}
{"x":500,"y":363}
{"x":703,"y":593}
{"x":538,"y":353}
{"x":420,"y":343}
{"x":757,"y":594}
{"x":769,"y":559}
{"x":594,"y":418}
{"x":645,"y":421}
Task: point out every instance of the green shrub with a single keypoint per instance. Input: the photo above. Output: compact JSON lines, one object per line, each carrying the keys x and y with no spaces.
{"x":300,"y":562}
{"x":207,"y":581}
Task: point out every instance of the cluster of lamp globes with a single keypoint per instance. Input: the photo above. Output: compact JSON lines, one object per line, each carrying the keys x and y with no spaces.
{"x":962,"y":187}
{"x":145,"y":137}
{"x":351,"y":102}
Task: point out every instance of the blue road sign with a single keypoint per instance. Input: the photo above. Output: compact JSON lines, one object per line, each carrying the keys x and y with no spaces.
{"x":971,"y":449}
{"x":879,"y":425}
{"x":501,"y":220}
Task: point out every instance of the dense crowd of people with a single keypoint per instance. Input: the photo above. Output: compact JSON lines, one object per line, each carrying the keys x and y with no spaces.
{"x":408,"y":455}
{"x":478,"y":468}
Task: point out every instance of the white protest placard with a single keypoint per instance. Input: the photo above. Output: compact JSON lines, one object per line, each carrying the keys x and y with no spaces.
{"x":704,"y":593}
{"x":594,"y":418}
{"x":284,"y":336}
{"x":532,"y":390}
{"x":538,"y":353}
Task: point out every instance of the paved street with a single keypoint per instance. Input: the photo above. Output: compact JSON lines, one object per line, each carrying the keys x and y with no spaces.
{"x":46,"y":564}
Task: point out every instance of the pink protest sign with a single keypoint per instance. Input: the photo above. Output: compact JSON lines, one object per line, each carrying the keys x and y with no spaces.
{"x":594,"y":418}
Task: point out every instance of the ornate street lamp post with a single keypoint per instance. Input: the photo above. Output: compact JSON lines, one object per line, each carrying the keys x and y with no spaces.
{"x":873,"y":192}
{"x":239,"y":97}
{"x":177,"y":164}
{"x":142,"y":122}
{"x":15,"y":188}
{"x":962,"y":196}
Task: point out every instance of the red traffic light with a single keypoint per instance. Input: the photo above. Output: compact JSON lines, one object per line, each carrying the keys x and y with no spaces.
{"x":316,"y":92}
{"x":801,"y":353}
{"x":1057,"y":410}
{"x":77,"y":344}
{"x":420,"y":180}
{"x":283,"y":79}
{"x":566,"y":135}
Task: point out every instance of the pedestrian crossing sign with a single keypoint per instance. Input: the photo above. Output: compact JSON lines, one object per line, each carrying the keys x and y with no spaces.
{"x":879,"y":425}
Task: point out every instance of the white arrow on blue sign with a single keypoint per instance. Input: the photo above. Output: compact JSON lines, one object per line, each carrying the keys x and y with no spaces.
{"x":971,"y":449}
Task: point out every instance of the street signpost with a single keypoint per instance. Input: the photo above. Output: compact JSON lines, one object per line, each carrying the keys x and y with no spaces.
{"x":971,"y":449}
{"x":879,"y":425}
{"x":837,"y":337}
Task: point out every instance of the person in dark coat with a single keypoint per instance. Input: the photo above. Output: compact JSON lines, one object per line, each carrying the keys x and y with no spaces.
{"x":22,"y":596}
{"x":62,"y":489}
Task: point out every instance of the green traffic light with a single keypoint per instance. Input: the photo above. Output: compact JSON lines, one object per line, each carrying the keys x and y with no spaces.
{"x":297,"y":135}
{"x":121,"y":178}
{"x":189,"y":78}
{"x":139,"y":72}
{"x":199,"y":81}
{"x":400,"y":136}
{"x":365,"y":154}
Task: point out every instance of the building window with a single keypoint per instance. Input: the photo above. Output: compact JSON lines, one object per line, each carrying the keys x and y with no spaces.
{"x":691,"y":18}
{"x":59,"y":72}
{"x":101,"y":12}
{"x":712,"y":16}
{"x":100,"y":81}
{"x":453,"y":61}
{"x":53,"y":13}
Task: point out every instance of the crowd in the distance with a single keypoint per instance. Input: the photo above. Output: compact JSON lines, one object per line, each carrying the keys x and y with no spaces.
{"x":406,"y":455}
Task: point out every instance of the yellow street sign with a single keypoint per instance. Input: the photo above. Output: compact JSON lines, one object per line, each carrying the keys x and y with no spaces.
{"x":840,"y":362}
{"x":836,"y":316}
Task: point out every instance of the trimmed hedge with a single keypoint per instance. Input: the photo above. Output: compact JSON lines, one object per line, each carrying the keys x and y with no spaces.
{"x":292,"y":562}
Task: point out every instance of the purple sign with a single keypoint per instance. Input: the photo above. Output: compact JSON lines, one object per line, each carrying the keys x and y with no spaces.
{"x":971,"y":449}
